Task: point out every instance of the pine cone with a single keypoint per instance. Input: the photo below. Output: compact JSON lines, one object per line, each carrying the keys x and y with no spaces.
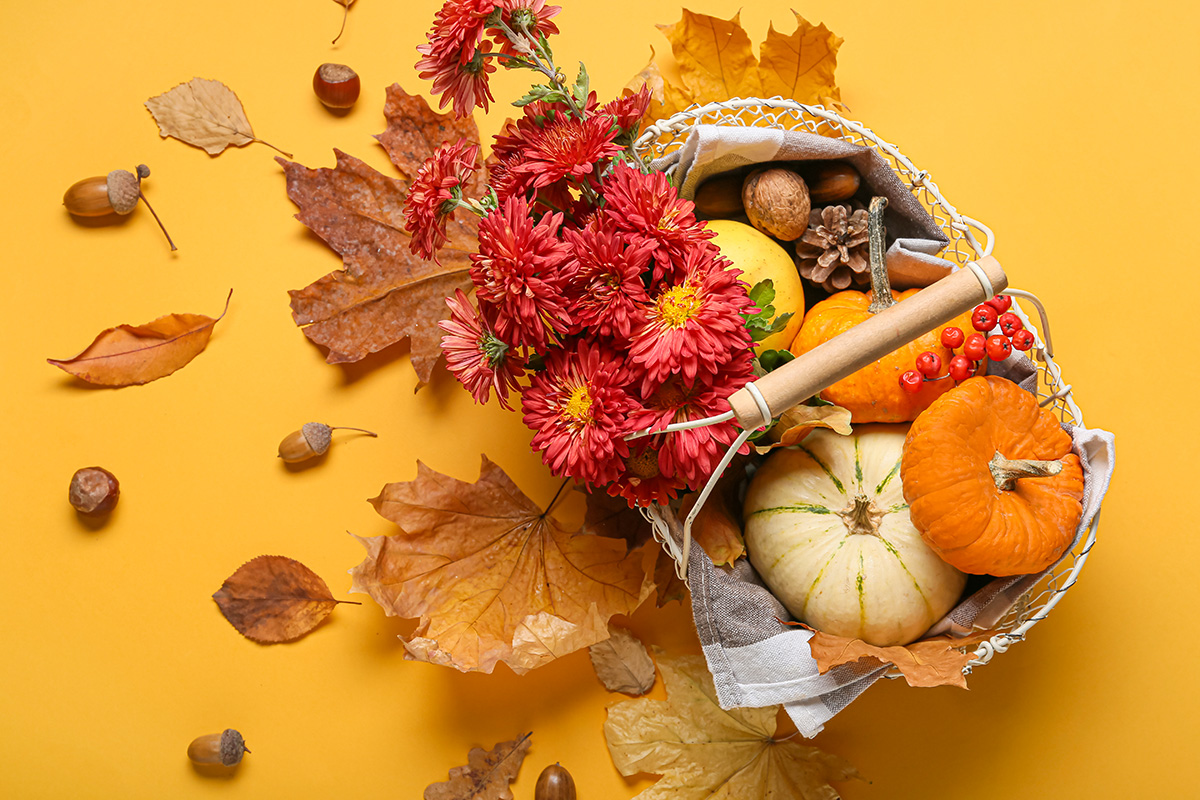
{"x":833,"y":252}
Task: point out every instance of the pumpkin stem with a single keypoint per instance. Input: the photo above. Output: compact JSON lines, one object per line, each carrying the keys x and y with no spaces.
{"x":1006,"y":471}
{"x":881,"y":287}
{"x":862,"y":516}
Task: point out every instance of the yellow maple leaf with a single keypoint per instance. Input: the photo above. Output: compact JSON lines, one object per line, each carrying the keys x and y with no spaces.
{"x":704,"y":751}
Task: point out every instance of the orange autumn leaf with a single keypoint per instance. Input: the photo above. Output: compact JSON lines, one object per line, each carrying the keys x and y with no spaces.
{"x":931,"y":662}
{"x":716,"y":62}
{"x":272,"y":599}
{"x":385,"y":293}
{"x":491,"y":576}
{"x":486,"y":775}
{"x":134,"y":354}
{"x":718,"y":526}
{"x":799,"y":421}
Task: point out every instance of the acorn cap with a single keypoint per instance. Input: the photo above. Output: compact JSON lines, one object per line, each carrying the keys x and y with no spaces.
{"x":232,"y":747}
{"x":318,"y":435}
{"x":123,"y":190}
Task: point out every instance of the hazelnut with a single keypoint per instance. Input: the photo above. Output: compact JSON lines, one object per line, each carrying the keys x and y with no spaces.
{"x":777,"y":202}
{"x":720,"y":197}
{"x":94,"y":491}
{"x":336,"y":85}
{"x":832,"y":182}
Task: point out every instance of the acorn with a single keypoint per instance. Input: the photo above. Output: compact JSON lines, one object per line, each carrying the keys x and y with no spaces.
{"x":336,"y":85}
{"x":555,"y":783}
{"x":117,"y":192}
{"x":312,"y":440}
{"x":225,"y":748}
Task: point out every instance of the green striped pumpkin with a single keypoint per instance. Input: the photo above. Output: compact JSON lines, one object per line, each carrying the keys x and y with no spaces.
{"x":828,"y":530}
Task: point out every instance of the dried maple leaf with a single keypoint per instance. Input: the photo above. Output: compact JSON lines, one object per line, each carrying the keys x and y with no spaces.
{"x":704,"y":751}
{"x":622,"y":663}
{"x":273,"y":599}
{"x":716,"y":62}
{"x":931,"y":662}
{"x":385,"y":293}
{"x":136,"y":354}
{"x":204,"y":113}
{"x":666,"y":578}
{"x":491,"y":576}
{"x":486,"y":776}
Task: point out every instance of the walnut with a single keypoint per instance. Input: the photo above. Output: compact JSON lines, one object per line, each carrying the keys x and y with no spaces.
{"x":777,"y":202}
{"x":833,"y":252}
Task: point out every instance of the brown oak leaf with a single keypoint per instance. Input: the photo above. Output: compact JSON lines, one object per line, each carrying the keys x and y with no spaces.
{"x":134,"y":354}
{"x":204,"y":113}
{"x":930,"y":662}
{"x":715,"y":61}
{"x":384,"y":293}
{"x":486,"y":775}
{"x":273,"y":599}
{"x":491,"y":576}
{"x":622,"y":663}
{"x":702,"y":750}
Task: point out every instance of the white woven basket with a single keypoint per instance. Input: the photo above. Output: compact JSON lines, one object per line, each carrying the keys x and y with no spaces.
{"x":669,"y":135}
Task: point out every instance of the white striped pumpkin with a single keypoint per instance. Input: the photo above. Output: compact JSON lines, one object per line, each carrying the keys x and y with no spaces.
{"x":828,"y":530}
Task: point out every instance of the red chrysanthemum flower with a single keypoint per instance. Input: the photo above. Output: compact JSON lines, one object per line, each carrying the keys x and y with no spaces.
{"x":579,"y":411}
{"x":479,"y":360}
{"x":453,"y":58}
{"x":434,"y":195}
{"x":628,"y":109}
{"x":566,"y":147}
{"x":647,"y":207}
{"x":640,"y":481}
{"x":694,"y":325}
{"x":691,"y":455}
{"x":609,"y":297}
{"x":524,"y":17}
{"x":519,"y":273}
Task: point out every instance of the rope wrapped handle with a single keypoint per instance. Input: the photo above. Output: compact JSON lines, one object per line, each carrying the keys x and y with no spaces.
{"x":756,"y":404}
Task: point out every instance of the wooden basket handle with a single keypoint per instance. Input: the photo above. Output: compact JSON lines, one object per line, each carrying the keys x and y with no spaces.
{"x":870,"y":340}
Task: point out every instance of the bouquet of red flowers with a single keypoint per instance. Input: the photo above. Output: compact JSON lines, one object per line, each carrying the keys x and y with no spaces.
{"x":599,"y":297}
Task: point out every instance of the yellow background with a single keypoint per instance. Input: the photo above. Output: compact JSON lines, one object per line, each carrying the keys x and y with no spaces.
{"x":1068,"y":128}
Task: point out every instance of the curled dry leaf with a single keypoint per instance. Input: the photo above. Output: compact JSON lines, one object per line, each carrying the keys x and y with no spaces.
{"x":930,"y":662}
{"x":491,"y":576}
{"x":716,"y":62}
{"x":622,"y":663}
{"x":702,"y":750}
{"x":718,"y":526}
{"x":385,"y":293}
{"x":204,"y":113}
{"x":273,"y":599}
{"x":486,"y":775}
{"x":801,"y":420}
{"x":135,"y":354}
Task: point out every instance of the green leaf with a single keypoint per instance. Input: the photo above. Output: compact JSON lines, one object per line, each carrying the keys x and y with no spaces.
{"x":582,"y":85}
{"x":763,"y":293}
{"x":550,"y":94}
{"x":774,"y":359}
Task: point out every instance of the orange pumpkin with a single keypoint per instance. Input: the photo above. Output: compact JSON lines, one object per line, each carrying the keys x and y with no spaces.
{"x":873,"y":394}
{"x":990,"y":479}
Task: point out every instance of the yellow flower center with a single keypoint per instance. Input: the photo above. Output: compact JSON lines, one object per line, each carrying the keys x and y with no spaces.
{"x":667,"y":221}
{"x":679,"y":304}
{"x":578,"y":408}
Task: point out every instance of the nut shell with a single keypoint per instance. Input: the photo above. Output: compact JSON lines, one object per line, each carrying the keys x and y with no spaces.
{"x":777,"y":202}
{"x":93,"y":490}
{"x":124,"y":188}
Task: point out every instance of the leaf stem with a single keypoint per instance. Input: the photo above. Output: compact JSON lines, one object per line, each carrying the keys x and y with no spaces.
{"x":273,"y":147}
{"x":557,"y":496}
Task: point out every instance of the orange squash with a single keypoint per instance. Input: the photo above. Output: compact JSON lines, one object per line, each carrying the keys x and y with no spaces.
{"x":990,"y":479}
{"x":873,"y":394}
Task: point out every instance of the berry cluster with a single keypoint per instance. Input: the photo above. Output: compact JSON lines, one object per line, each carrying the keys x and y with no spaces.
{"x":986,"y":317}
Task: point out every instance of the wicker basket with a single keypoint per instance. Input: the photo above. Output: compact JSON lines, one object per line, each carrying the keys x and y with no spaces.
{"x":965,"y":245}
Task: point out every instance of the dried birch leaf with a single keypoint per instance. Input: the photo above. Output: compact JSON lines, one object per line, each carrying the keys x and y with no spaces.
{"x":622,"y":663}
{"x":204,"y":113}
{"x":384,"y":294}
{"x":491,"y":576}
{"x":486,"y":776}
{"x":704,"y":751}
{"x":800,"y":66}
{"x":931,"y":662}
{"x":134,"y":354}
{"x":273,"y":599}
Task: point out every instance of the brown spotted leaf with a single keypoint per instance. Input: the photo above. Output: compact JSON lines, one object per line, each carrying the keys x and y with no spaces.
{"x":134,"y":354}
{"x":622,"y":663}
{"x":704,"y":751}
{"x":486,"y":775}
{"x":273,"y":599}
{"x":491,"y":576}
{"x":384,"y":293}
{"x":931,"y":662}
